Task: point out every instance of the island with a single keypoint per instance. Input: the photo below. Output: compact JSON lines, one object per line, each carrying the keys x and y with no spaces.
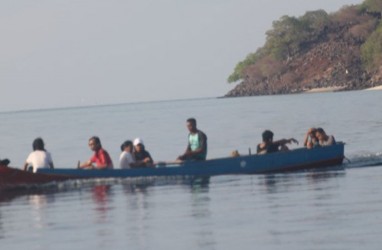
{"x":318,"y":51}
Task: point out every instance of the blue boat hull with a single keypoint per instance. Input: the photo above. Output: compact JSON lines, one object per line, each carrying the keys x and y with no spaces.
{"x":298,"y":159}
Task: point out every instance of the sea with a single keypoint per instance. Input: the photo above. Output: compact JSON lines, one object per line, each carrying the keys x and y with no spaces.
{"x":339,"y":208}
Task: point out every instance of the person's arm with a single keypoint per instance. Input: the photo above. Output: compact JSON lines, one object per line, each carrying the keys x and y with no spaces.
{"x":306,"y":139}
{"x":261,"y":149}
{"x":86,"y":164}
{"x":186,"y":152}
{"x":26,"y":166}
{"x":50,"y":161}
{"x":282,"y":142}
{"x":28,"y":162}
{"x":146,"y":162}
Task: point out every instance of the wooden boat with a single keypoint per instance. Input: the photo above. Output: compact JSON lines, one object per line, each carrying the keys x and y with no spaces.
{"x":298,"y":159}
{"x":15,"y":178}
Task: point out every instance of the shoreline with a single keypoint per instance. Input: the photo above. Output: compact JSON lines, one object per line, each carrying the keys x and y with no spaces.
{"x":325,"y":89}
{"x":375,"y":88}
{"x":335,"y":89}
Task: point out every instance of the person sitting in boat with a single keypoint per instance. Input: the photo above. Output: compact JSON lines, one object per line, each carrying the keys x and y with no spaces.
{"x":100,"y":159}
{"x":310,"y":139}
{"x":197,"y":143}
{"x":126,"y":159}
{"x":39,"y":158}
{"x":270,"y":146}
{"x":141,"y":155}
{"x":324,"y":139}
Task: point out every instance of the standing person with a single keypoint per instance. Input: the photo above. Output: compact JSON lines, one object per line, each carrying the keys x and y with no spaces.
{"x":100,"y":159}
{"x":126,"y":159}
{"x":39,"y":158}
{"x":323,"y":138}
{"x":141,"y":155}
{"x":270,"y":146}
{"x":197,"y":143}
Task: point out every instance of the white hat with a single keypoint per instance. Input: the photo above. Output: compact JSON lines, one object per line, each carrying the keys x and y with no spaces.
{"x":138,"y":141}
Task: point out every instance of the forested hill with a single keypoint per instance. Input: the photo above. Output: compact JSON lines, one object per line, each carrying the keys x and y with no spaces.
{"x":341,"y":49}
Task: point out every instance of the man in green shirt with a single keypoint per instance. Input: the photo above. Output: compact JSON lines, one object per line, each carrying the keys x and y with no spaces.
{"x":197,"y":143}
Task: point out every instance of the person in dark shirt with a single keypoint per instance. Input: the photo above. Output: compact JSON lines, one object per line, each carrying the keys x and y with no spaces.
{"x":141,"y":155}
{"x":270,"y":146}
{"x":197,"y":143}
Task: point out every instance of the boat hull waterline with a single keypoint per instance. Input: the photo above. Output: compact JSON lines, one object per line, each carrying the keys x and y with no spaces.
{"x":293,"y":160}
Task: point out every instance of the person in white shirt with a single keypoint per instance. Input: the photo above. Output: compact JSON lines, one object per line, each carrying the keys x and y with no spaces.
{"x":39,"y":158}
{"x":126,"y":159}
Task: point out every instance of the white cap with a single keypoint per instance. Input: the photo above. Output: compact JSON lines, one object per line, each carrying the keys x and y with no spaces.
{"x":138,"y":141}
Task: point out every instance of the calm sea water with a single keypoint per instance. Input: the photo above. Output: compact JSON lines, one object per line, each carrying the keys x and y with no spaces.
{"x":338,"y":209}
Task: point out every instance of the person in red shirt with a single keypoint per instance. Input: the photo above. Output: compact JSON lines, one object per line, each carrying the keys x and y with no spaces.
{"x":100,"y":159}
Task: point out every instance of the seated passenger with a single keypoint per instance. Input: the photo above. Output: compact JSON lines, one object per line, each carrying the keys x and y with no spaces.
{"x":126,"y":159}
{"x":324,"y":139}
{"x":39,"y":158}
{"x":197,"y":143}
{"x":310,"y":140}
{"x":270,"y":146}
{"x":100,"y":159}
{"x":141,"y":155}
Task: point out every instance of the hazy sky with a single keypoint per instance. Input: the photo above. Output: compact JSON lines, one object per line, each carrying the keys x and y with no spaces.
{"x":59,"y":53}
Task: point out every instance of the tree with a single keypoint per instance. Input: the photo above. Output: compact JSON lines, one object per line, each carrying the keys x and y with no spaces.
{"x":241,"y":66}
{"x":315,"y":21}
{"x":372,"y":5}
{"x":284,"y":39}
{"x":371,"y":50}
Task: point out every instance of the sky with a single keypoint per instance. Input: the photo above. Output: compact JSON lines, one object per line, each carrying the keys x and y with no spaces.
{"x":67,"y":53}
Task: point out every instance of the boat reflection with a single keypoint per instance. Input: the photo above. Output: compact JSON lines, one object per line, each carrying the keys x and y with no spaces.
{"x":101,"y":195}
{"x":275,"y":183}
{"x":201,"y":212}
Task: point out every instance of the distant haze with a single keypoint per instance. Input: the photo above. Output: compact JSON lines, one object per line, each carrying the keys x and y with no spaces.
{"x":62,"y":53}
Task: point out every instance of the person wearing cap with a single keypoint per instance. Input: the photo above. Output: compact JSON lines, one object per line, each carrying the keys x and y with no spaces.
{"x":126,"y":159}
{"x":141,"y":155}
{"x":197,"y":143}
{"x":101,"y":158}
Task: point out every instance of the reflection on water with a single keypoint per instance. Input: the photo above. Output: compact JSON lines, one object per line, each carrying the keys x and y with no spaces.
{"x":196,"y":213}
{"x":275,"y":183}
{"x":201,"y":212}
{"x":38,"y":203}
{"x":101,"y":195}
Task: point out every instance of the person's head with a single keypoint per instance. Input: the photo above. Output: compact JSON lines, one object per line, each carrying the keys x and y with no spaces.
{"x":191,"y":124}
{"x":94,"y":143}
{"x":127,"y":146}
{"x":320,"y":134}
{"x":267,"y":136}
{"x":139,"y":145}
{"x":38,"y":144}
